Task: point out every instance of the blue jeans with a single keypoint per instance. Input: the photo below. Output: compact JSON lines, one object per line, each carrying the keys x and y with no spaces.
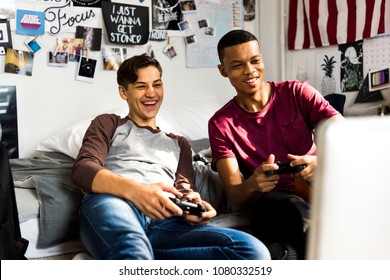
{"x":113,"y":228}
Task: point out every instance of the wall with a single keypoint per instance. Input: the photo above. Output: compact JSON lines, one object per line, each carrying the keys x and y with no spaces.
{"x":52,"y":98}
{"x":351,"y":109}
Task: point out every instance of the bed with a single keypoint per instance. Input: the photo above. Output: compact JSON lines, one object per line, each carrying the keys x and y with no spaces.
{"x":48,"y":201}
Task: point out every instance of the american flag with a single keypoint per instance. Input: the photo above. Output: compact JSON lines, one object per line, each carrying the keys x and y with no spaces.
{"x":318,"y":23}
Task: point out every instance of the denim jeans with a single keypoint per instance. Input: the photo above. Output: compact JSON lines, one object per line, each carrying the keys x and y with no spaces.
{"x":113,"y":228}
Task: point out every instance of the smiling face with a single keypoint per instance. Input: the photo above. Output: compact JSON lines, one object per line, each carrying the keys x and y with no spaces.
{"x":144,"y":96}
{"x":243,"y":65}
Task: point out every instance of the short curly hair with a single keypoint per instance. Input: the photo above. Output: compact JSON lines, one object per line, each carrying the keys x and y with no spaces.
{"x":232,"y":38}
{"x":127,"y":72}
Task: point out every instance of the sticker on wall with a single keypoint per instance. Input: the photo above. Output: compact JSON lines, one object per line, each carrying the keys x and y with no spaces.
{"x":30,"y":22}
{"x":126,"y":24}
{"x":5,"y":36}
{"x":19,"y":62}
{"x":158,"y":35}
{"x":86,"y":70}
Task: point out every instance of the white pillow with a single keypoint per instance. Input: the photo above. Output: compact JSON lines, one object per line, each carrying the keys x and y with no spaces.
{"x":189,"y":120}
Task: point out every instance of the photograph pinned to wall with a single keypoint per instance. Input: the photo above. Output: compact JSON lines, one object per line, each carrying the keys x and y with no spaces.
{"x":86,"y":69}
{"x":166,"y":14}
{"x":5,"y":36}
{"x":74,"y":47}
{"x":19,"y":62}
{"x":58,"y":59}
{"x":9,"y":120}
{"x":30,"y":22}
{"x":170,"y":51}
{"x":188,"y":6}
{"x":184,"y":25}
{"x":351,"y":66}
{"x":203,"y":23}
{"x":191,"y":39}
{"x":328,"y":73}
{"x":92,"y":37}
{"x":209,"y":31}
{"x":33,"y":44}
{"x":113,"y":58}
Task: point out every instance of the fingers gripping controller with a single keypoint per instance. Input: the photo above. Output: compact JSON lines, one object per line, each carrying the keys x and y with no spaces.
{"x":285,"y":168}
{"x":189,"y":207}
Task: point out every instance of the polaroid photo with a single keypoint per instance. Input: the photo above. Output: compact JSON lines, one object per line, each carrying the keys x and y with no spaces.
{"x":203,"y":23}
{"x":86,"y":70}
{"x":58,"y":59}
{"x":187,"y":6}
{"x":184,"y":25}
{"x":170,"y":51}
{"x":190,"y":39}
{"x":210,"y":31}
{"x":32,"y":44}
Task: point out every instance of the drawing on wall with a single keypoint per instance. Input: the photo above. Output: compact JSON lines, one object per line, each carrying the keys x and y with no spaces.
{"x":113,"y":58}
{"x":328,"y":73}
{"x":5,"y":36}
{"x":9,"y":120}
{"x":19,"y":62}
{"x":303,"y":67}
{"x":249,"y":10}
{"x":74,"y":47}
{"x":351,"y":73}
{"x":166,"y":14}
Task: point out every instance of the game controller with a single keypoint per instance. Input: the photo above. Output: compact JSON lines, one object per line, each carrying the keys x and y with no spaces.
{"x":189,"y":207}
{"x":285,"y":168}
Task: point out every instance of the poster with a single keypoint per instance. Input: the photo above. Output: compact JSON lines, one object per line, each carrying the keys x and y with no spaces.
{"x":126,"y":24}
{"x":166,"y":14}
{"x":5,"y":36}
{"x":9,"y":120}
{"x":351,"y":66}
{"x":30,"y":22}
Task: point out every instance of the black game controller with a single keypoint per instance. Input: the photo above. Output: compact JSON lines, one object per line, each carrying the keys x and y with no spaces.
{"x":285,"y":168}
{"x":189,"y":207}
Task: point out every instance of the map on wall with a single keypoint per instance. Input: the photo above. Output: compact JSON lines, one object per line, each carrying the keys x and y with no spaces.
{"x":208,"y":22}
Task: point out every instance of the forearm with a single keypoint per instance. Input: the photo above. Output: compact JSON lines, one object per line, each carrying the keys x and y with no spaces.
{"x":108,"y":182}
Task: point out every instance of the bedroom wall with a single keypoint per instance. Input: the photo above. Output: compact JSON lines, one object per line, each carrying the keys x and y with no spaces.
{"x":52,"y":98}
